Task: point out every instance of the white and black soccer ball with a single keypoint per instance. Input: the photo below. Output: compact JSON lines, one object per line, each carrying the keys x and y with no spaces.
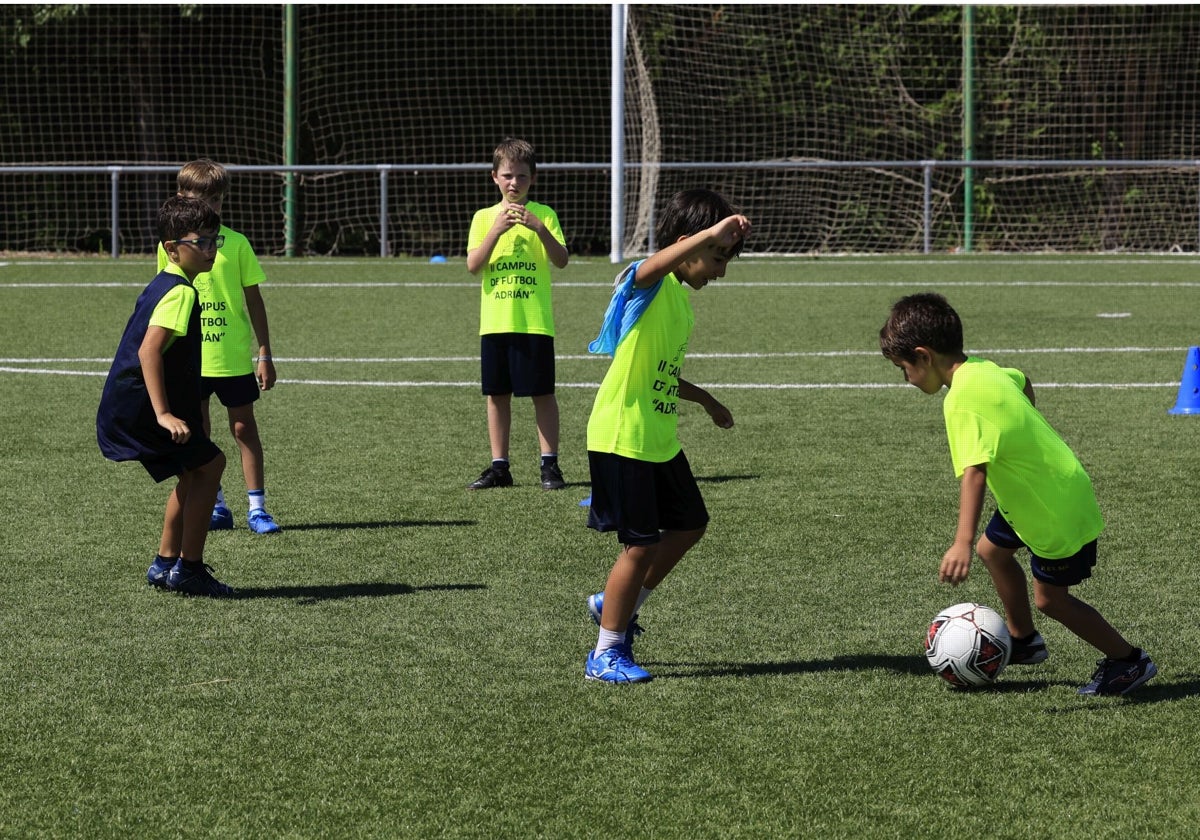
{"x":968,"y":645}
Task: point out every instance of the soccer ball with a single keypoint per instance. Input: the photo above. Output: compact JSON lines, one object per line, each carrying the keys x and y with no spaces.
{"x":968,"y":645}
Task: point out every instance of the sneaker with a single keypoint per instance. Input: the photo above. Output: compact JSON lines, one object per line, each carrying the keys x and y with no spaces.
{"x":200,"y":582}
{"x":1029,"y":653}
{"x":260,"y":522}
{"x":552,"y":477}
{"x":156,"y":575}
{"x":222,"y":519}
{"x":595,"y":605}
{"x":1114,"y":677}
{"x":493,"y":476}
{"x":614,"y":665}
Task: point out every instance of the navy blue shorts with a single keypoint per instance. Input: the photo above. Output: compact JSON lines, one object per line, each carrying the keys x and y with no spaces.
{"x":520,"y":364}
{"x":640,"y":499}
{"x":1065,"y":571}
{"x":182,"y":457}
{"x":232,"y":391}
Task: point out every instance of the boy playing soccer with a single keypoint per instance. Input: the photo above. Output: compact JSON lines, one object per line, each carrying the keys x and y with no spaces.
{"x":642,"y":485}
{"x":150,"y":408}
{"x":1044,"y":498}
{"x":512,"y":245}
{"x":231,"y":303}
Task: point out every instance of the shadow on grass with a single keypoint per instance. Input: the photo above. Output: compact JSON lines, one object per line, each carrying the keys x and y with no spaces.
{"x":336,"y":591}
{"x":366,"y":526}
{"x":911,"y":665}
{"x":723,"y":479}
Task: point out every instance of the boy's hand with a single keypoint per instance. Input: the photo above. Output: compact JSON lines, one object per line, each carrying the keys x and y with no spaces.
{"x":720,"y":415}
{"x":516,"y":214}
{"x":956,"y":564}
{"x":178,"y":428}
{"x":265,"y":374}
{"x":730,"y":230}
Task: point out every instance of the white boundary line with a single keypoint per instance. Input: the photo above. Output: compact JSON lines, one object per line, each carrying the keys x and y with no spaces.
{"x":741,"y":386}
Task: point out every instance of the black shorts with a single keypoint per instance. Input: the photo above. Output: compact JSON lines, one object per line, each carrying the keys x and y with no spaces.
{"x":181,"y":458}
{"x":1065,"y":571}
{"x":640,"y":499}
{"x":520,"y":364}
{"x":232,"y":391}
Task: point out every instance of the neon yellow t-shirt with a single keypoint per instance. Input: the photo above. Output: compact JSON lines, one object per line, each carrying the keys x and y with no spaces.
{"x":635,"y":413}
{"x":515,"y":291}
{"x":227,"y":336}
{"x":174,"y":311}
{"x":1039,"y":485}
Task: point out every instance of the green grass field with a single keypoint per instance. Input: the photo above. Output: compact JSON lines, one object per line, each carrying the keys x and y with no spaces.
{"x":406,"y":658}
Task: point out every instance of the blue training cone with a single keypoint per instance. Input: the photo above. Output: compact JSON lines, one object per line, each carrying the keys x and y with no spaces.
{"x":1188,"y":401}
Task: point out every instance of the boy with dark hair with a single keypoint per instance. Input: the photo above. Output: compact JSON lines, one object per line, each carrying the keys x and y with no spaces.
{"x":511,"y":246}
{"x":1044,"y":498}
{"x":150,"y":407}
{"x":642,"y":484}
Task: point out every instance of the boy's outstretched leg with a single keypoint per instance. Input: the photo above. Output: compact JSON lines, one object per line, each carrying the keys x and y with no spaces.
{"x":1123,"y":668}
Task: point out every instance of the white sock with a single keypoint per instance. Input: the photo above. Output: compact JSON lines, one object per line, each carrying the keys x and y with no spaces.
{"x":258,"y":499}
{"x":642,"y":596}
{"x":220,"y":496}
{"x":608,"y":639}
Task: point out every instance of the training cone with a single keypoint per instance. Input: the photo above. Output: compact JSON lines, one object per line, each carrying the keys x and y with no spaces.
{"x":1188,"y":401}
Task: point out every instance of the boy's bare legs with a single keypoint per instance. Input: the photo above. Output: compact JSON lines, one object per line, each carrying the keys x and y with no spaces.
{"x":499,"y":416}
{"x":189,"y":507}
{"x":1080,"y":618}
{"x":638,"y":567}
{"x":245,"y":431}
{"x":545,"y":413}
{"x":1009,"y":580}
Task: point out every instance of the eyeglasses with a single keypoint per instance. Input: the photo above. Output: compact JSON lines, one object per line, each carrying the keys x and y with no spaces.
{"x":204,"y":243}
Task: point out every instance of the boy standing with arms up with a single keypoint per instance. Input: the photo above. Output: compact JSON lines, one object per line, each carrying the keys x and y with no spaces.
{"x":231,"y":303}
{"x":642,"y":484}
{"x":1044,"y":498}
{"x":511,"y":245}
{"x":150,"y":408}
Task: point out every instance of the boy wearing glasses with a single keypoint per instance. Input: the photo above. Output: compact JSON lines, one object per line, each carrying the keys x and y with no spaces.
{"x":232,"y":317}
{"x":150,"y":407}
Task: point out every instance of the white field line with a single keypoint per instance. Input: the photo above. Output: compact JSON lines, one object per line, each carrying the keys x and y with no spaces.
{"x":26,"y":366}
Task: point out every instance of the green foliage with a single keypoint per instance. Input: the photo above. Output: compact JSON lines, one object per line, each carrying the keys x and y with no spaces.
{"x":406,"y":657}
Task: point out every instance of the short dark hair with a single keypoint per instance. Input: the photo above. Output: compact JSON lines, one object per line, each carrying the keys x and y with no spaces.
{"x":180,"y":216}
{"x":691,"y":211}
{"x":514,"y":150}
{"x":922,"y":320}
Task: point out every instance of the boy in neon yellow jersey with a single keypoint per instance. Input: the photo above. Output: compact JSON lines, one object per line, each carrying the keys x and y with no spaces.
{"x":511,"y":246}
{"x":232,"y":304}
{"x":1044,"y":498}
{"x":642,"y":484}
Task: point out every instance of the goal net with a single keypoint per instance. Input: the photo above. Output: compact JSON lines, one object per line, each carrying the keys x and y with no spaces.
{"x":814,"y":119}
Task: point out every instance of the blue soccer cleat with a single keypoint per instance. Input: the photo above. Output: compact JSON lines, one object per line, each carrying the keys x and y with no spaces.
{"x":260,"y":522}
{"x":222,"y":519}
{"x":156,"y":575}
{"x":614,"y":665}
{"x":595,"y":605}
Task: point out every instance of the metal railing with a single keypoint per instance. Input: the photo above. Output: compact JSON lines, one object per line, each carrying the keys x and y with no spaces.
{"x":927,"y":168}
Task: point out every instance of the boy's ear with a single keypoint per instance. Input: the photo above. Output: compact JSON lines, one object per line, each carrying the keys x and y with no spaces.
{"x":172,"y":250}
